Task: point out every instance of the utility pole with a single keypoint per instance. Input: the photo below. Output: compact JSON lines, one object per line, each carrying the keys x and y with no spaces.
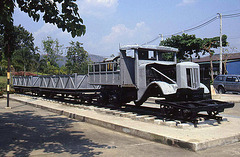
{"x":220,"y":58}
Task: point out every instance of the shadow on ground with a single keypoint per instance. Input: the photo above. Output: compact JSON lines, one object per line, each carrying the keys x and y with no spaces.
{"x":23,"y":132}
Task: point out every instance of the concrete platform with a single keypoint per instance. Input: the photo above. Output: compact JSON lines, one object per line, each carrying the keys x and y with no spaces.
{"x":194,"y":139}
{"x":234,"y":98}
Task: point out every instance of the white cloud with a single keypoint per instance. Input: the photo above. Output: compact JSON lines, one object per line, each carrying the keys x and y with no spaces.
{"x":186,"y":2}
{"x":104,"y":3}
{"x":52,"y":31}
{"x":121,"y":34}
{"x":46,"y":29}
{"x":97,"y":8}
{"x":95,"y":44}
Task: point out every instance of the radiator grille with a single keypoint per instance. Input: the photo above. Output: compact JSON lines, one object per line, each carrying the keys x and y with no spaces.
{"x":192,"y":77}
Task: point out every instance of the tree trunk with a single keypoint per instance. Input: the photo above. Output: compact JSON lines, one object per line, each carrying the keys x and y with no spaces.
{"x":211,"y":66}
{"x":24,"y":69}
{"x":225,"y":67}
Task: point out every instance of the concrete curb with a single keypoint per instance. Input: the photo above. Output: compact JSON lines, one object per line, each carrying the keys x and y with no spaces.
{"x":190,"y":145}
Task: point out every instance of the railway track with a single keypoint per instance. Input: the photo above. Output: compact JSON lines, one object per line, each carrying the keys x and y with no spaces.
{"x":154,"y":114}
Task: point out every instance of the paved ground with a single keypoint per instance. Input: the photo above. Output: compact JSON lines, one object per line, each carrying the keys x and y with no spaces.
{"x":228,"y":97}
{"x":26,"y":130}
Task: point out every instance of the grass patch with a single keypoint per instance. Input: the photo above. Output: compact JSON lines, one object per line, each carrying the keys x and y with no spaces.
{"x":3,"y":84}
{"x":3,"y":79}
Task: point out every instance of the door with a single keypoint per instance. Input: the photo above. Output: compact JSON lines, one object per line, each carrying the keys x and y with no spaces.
{"x":235,"y":84}
{"x":228,"y":83}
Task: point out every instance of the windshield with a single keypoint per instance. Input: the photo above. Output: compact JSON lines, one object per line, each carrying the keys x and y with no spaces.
{"x":155,"y":55}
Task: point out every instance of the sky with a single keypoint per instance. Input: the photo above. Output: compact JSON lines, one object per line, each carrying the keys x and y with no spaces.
{"x":111,"y":23}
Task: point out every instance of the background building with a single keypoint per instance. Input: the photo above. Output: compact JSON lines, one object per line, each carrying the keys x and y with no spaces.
{"x":231,"y":65}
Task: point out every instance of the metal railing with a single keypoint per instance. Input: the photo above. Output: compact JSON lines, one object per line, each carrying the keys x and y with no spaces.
{"x":104,"y":73}
{"x":54,"y":81}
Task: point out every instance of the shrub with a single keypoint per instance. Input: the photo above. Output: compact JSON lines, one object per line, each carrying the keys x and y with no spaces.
{"x":12,"y":91}
{"x":21,"y":73}
{"x":2,"y":88}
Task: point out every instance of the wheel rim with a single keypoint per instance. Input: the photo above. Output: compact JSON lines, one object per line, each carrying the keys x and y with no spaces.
{"x":221,"y":91}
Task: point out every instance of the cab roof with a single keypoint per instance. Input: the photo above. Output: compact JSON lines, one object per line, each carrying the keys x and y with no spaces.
{"x":148,"y":47}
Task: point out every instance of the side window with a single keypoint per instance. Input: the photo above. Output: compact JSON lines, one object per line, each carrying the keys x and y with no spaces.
{"x":235,"y":79}
{"x":97,"y":68}
{"x":143,"y":55}
{"x":229,"y":79}
{"x":151,"y":55}
{"x":224,"y":78}
{"x":103,"y":67}
{"x":189,"y":81}
{"x":110,"y":67}
{"x":220,"y":78}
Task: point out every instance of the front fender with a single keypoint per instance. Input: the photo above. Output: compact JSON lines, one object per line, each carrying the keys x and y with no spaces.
{"x":165,"y":87}
{"x":206,"y":90}
{"x":156,"y":89}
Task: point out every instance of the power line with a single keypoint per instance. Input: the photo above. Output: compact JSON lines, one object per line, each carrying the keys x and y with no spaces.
{"x":196,"y":27}
{"x":231,"y":15}
{"x":152,"y":40}
{"x":234,"y":37}
{"x":230,"y":11}
{"x":187,"y":30}
{"x":202,"y":25}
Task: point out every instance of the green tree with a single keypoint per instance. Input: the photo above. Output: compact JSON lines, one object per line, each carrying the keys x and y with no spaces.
{"x":3,"y":64}
{"x":186,"y":44}
{"x":227,"y":53}
{"x":3,"y":67}
{"x":63,"y":70}
{"x":35,"y":62}
{"x":189,"y":45}
{"x":77,"y":58}
{"x":63,"y":13}
{"x":65,"y":17}
{"x":42,"y":66}
{"x":1,"y":47}
{"x":25,"y":52}
{"x":53,"y":51}
{"x":6,"y":27}
{"x":208,"y":46}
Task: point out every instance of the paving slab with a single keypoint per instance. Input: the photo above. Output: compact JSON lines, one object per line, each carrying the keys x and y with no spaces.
{"x":194,"y":139}
{"x":234,"y":98}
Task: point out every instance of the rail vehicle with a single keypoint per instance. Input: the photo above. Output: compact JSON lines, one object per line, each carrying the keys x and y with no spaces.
{"x":139,"y":72}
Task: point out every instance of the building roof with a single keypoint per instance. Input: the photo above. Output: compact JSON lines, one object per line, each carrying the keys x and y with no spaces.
{"x":228,"y":57}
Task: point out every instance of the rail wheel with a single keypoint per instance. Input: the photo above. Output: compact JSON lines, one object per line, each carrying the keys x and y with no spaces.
{"x":185,"y":114}
{"x":103,"y":98}
{"x":167,"y":111}
{"x":82,"y":101}
{"x":212,"y":113}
